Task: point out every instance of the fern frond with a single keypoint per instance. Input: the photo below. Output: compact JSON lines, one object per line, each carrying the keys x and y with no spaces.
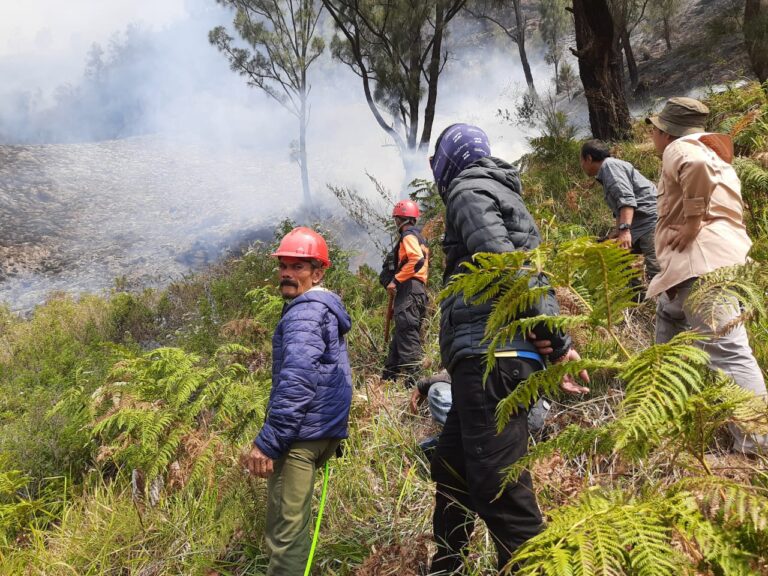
{"x":659,"y":382}
{"x":727,"y":502}
{"x":745,"y":408}
{"x":600,"y":273}
{"x":570,"y":443}
{"x":729,"y":290}
{"x":166,"y":452}
{"x":488,"y":275}
{"x":526,"y":325}
{"x":606,"y":274}
{"x":648,"y":539}
{"x":204,"y":461}
{"x":605,"y":533}
{"x":172,"y":405}
{"x":751,"y":174}
{"x":266,"y":305}
{"x":715,"y":544}
{"x":546,"y":382}
{"x":513,"y":303}
{"x":232,"y":349}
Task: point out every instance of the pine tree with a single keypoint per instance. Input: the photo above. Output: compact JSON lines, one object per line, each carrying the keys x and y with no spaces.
{"x":398,"y":50}
{"x":284,"y":44}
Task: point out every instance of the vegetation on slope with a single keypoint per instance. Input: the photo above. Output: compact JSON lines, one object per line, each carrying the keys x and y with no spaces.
{"x":121,"y":418}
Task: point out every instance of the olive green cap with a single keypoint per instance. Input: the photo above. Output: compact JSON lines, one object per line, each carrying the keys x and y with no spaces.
{"x":680,"y":117}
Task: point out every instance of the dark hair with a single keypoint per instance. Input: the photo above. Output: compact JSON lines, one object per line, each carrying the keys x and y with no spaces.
{"x":595,"y":149}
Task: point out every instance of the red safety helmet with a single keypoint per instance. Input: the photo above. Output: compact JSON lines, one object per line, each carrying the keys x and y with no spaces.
{"x":304,"y":242}
{"x":406,"y":209}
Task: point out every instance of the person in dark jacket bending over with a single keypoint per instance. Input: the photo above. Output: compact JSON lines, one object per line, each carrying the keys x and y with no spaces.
{"x":484,"y":213}
{"x":409,"y":287}
{"x":309,"y":403}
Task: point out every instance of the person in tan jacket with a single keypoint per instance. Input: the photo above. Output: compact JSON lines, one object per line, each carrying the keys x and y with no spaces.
{"x":700,"y":229}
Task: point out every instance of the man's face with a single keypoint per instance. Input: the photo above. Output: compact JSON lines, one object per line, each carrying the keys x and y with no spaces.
{"x":297,"y":275}
{"x":588,"y":165}
{"x":660,"y":140}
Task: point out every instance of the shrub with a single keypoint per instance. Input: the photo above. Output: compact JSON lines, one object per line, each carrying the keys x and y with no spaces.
{"x":672,"y":408}
{"x":166,"y":413}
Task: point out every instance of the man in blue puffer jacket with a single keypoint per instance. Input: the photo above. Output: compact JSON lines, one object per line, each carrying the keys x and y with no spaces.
{"x":484,"y":212}
{"x":309,"y":403}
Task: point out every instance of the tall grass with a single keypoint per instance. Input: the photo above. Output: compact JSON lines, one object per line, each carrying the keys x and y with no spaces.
{"x":76,"y":513}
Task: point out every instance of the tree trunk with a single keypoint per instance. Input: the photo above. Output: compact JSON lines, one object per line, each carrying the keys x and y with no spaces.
{"x":756,"y":37}
{"x":353,"y":37}
{"x":414,"y":91}
{"x":520,"y":25}
{"x":597,"y":49}
{"x":667,"y":34}
{"x":630,"y":56}
{"x":303,"y":152}
{"x":432,"y":76}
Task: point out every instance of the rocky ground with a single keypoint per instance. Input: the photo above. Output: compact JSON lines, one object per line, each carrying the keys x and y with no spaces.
{"x":144,"y":209}
{"x":707,"y":51}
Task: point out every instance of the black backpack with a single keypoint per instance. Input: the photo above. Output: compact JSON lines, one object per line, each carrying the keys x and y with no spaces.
{"x":389,"y":266}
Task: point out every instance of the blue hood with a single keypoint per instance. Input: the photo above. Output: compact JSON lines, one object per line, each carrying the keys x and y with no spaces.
{"x":330,"y":300}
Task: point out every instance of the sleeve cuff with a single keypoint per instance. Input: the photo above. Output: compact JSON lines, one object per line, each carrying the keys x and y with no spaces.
{"x":561,"y":350}
{"x":265,"y":448}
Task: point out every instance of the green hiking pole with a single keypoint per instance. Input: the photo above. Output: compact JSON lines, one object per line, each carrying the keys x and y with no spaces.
{"x":319,"y":519}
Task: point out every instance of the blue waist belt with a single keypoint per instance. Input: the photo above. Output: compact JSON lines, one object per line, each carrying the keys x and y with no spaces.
{"x":520,"y":354}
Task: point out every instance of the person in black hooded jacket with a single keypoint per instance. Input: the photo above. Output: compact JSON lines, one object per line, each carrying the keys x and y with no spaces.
{"x":485,"y":212}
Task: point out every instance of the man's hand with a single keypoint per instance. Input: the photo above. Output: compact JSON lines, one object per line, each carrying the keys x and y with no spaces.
{"x":569,"y":385}
{"x":685,"y":234}
{"x":543,"y":347}
{"x":416,"y":399}
{"x":624,"y":239}
{"x":391,"y":288}
{"x":257,"y":463}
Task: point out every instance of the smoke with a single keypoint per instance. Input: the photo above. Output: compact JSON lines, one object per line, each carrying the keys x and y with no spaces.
{"x":158,"y":74}
{"x":154,"y":150}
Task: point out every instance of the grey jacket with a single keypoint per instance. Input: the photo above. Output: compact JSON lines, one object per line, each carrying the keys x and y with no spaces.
{"x":486,"y":213}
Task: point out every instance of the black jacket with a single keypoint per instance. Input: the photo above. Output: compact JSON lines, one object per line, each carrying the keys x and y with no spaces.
{"x":486,"y":213}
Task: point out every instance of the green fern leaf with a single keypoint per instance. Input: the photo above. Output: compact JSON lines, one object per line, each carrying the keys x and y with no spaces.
{"x":659,"y":382}
{"x":546,"y":382}
{"x":732,"y":288}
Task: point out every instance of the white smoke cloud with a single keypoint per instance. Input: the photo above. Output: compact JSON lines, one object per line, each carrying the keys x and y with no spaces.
{"x":172,"y":86}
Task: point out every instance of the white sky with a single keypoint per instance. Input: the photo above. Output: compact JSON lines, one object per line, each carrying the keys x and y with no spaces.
{"x":29,"y":26}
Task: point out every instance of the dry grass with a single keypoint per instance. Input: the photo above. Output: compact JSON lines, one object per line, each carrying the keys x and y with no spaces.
{"x":397,"y":559}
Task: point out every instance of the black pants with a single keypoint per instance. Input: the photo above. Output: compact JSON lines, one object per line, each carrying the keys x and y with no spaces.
{"x":405,"y":349}
{"x":468,"y":465}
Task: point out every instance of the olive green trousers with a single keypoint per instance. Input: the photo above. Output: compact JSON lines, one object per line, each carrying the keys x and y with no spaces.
{"x":289,"y":505}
